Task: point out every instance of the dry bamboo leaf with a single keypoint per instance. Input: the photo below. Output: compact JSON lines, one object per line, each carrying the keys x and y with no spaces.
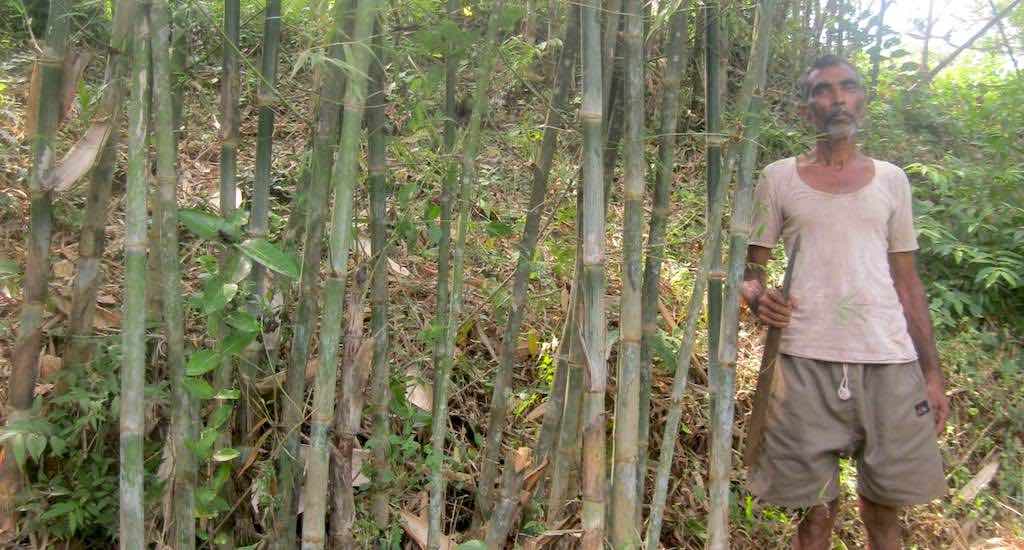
{"x":64,"y":269}
{"x":980,"y":480}
{"x":537,"y":412}
{"x":49,"y":365}
{"x":416,"y":528}
{"x":522,"y":458}
{"x":419,"y":393}
{"x":106,"y":319}
{"x":80,"y":159}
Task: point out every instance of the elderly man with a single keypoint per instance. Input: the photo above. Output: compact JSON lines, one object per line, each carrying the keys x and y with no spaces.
{"x":858,"y":374}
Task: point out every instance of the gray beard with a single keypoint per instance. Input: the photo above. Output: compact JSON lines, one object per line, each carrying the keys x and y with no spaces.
{"x":837,"y":131}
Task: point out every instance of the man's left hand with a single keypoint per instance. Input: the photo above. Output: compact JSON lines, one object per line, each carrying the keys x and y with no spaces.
{"x":935,"y":390}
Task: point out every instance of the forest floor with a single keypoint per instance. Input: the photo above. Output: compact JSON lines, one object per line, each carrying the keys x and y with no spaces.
{"x":971,"y":442}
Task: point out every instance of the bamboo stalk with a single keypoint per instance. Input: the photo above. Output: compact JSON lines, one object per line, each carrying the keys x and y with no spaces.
{"x":593,"y":325}
{"x":441,"y":359}
{"x":624,"y":504}
{"x":466,"y":191}
{"x":610,"y":37}
{"x":93,"y":237}
{"x":293,"y":403}
{"x":343,"y":178}
{"x":265,"y":97}
{"x":25,"y":359}
{"x":184,"y":410}
{"x":521,"y":278}
{"x":505,"y":509}
{"x":677,"y":50}
{"x":757,"y":68}
{"x":381,"y":375}
{"x":133,"y":361}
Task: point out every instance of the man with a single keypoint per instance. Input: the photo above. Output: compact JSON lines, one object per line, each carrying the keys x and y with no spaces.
{"x":858,"y":373}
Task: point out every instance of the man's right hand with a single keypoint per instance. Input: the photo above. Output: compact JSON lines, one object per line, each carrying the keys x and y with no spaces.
{"x":772,"y":309}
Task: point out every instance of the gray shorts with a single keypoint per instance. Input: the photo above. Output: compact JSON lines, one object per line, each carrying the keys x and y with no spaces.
{"x":886,"y":425}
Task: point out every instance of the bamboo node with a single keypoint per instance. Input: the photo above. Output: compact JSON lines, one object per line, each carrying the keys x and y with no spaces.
{"x":717,"y":275}
{"x":716,"y":140}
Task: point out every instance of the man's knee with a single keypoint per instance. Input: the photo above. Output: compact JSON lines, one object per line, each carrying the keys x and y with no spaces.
{"x":882,"y":523}
{"x":815,"y":529}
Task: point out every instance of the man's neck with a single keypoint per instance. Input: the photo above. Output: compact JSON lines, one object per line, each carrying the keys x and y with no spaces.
{"x":835,"y":153}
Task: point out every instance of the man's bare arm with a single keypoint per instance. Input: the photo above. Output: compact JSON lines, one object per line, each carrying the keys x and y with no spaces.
{"x":768,"y":305}
{"x":903,"y":269}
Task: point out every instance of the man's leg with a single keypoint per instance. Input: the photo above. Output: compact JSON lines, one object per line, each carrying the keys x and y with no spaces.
{"x":882,"y":524}
{"x":815,"y":529}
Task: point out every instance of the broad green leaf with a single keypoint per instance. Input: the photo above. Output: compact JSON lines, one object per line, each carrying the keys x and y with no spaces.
{"x":198,"y":388}
{"x":224,"y":455}
{"x":36,"y":444}
{"x":220,"y":415}
{"x":202,"y":362}
{"x":264,"y":252}
{"x":236,"y":342}
{"x":206,"y":225}
{"x":217,"y":295}
{"x":472,"y":545}
{"x":9,"y":267}
{"x":228,"y":394}
{"x":243,"y":322}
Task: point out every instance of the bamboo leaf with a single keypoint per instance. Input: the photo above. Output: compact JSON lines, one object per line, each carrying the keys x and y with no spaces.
{"x":224,"y":455}
{"x":269,"y":255}
{"x":202,"y":362}
{"x":244,"y":322}
{"x":228,"y":394}
{"x":198,"y":388}
{"x":206,"y":225}
{"x":236,"y":342}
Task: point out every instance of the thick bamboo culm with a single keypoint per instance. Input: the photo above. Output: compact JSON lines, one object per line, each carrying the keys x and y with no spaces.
{"x":185,"y":409}
{"x":25,"y":359}
{"x":293,"y":401}
{"x":466,"y":198}
{"x":378,"y":182}
{"x":93,"y":238}
{"x":592,"y":220}
{"x":624,"y":531}
{"x":521,"y":278}
{"x":343,"y":178}
{"x":133,"y":359}
{"x":677,"y":51}
{"x":441,"y":358}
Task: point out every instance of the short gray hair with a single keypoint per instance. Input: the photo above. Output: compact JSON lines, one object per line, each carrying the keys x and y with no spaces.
{"x":828,"y":60}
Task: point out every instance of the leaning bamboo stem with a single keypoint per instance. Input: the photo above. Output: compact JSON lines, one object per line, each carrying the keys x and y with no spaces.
{"x":757,"y":68}
{"x":184,"y":415}
{"x":624,"y":503}
{"x":521,"y":278}
{"x":324,"y":142}
{"x":378,"y":183}
{"x":133,"y":363}
{"x":593,"y":321}
{"x":677,"y":51}
{"x":343,"y":179}
{"x":441,"y":359}
{"x":93,"y":238}
{"x":467,"y":190}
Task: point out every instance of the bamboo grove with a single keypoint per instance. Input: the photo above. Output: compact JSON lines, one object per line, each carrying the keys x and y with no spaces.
{"x":597,"y":469}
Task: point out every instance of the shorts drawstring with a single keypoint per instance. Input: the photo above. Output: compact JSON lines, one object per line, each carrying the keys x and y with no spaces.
{"x":844,"y":385}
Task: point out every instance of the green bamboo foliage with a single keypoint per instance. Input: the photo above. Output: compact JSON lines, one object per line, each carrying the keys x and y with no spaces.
{"x":677,"y":50}
{"x":184,"y":410}
{"x":343,"y":178}
{"x":259,"y":213}
{"x":324,"y":142}
{"x":593,"y":321}
{"x":133,"y":360}
{"x":378,"y":183}
{"x":521,"y":278}
{"x":93,"y":238}
{"x":466,"y":192}
{"x":441,"y":359}
{"x":25,"y":359}
{"x":624,"y":502}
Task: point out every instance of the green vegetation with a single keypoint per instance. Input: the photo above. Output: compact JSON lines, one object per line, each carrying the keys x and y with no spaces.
{"x":485,"y":261}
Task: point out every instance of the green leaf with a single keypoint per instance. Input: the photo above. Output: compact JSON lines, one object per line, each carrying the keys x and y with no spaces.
{"x":198,"y":388}
{"x":202,"y":362}
{"x":217,"y":295}
{"x":244,"y":322}
{"x":472,"y":545}
{"x":236,"y":342}
{"x":36,"y":444}
{"x":220,"y":415}
{"x":206,"y":225}
{"x":276,"y":260}
{"x":228,"y":394}
{"x":9,"y":268}
{"x":224,"y":455}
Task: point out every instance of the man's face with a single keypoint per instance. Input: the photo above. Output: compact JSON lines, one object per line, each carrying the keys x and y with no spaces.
{"x":835,"y":105}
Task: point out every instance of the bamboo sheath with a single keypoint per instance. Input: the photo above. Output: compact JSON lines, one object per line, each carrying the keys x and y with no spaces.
{"x":343,"y":178}
{"x":185,"y":409}
{"x":521,"y":278}
{"x":593,"y":326}
{"x":624,"y":531}
{"x":324,"y":142}
{"x":677,"y":51}
{"x":466,"y":199}
{"x":133,"y":359}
